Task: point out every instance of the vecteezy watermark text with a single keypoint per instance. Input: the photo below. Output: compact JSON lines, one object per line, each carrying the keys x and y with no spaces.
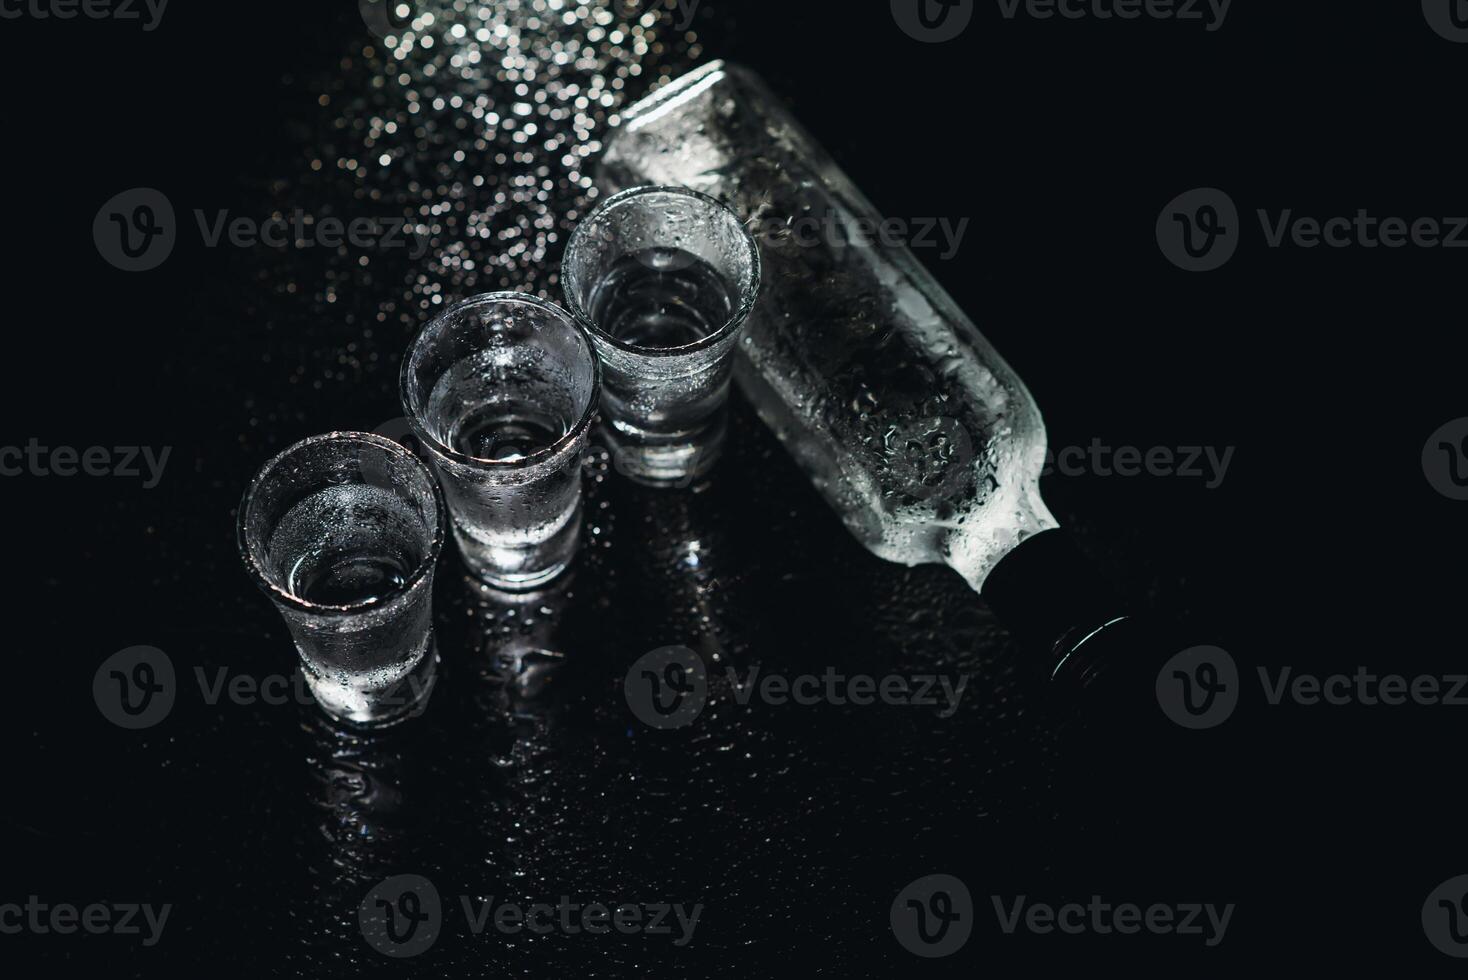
{"x":1201,"y":229}
{"x":1103,"y":918}
{"x":403,"y":916}
{"x":1363,"y":687}
{"x":834,"y":688}
{"x":669,"y":687}
{"x":1209,"y":463}
{"x":1210,"y":13}
{"x":137,"y":230}
{"x":34,"y":459}
{"x":301,"y":230}
{"x":148,"y":12}
{"x":1200,"y":688}
{"x":934,"y":916}
{"x":96,"y":919}
{"x":136,"y":688}
{"x":936,"y":21}
{"x":829,"y":230}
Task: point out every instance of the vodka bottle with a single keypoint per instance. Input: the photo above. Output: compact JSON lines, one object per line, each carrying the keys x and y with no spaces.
{"x":905,"y":418}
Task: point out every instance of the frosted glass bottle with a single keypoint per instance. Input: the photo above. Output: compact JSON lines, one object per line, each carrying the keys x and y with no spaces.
{"x":908,"y":422}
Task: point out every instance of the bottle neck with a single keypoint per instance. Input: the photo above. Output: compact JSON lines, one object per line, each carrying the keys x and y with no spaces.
{"x":1049,"y":596}
{"x":1077,"y":635}
{"x":980,"y":547}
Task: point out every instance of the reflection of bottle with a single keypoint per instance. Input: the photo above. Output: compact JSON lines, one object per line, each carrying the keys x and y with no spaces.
{"x":912,"y":427}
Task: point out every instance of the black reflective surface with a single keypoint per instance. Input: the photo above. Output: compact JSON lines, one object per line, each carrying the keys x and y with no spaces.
{"x":795,"y":827}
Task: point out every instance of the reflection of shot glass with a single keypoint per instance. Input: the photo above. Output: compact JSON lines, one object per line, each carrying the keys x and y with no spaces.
{"x":501,"y":389}
{"x":663,"y":278}
{"x":342,"y":531}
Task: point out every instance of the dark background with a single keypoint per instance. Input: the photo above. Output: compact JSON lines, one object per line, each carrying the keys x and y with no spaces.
{"x":1324,"y":549}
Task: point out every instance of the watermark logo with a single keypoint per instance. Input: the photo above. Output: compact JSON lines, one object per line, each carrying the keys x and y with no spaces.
{"x":933,"y":21}
{"x":1445,"y":917}
{"x":136,"y":230}
{"x":135,"y":688}
{"x":98,"y":919}
{"x":1445,"y":459}
{"x":374,"y":470}
{"x":402,"y":916}
{"x":1449,"y":18}
{"x":667,"y":688}
{"x":386,"y":19}
{"x":1199,"y":230}
{"x":933,"y":916}
{"x":149,"y":13}
{"x":1199,"y":688}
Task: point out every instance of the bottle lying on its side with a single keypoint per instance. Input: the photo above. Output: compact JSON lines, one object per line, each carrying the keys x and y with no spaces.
{"x":908,"y":422}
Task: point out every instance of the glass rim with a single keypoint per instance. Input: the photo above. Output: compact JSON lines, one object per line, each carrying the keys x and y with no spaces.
{"x":747,"y":296}
{"x":531,"y":459}
{"x":285,"y":596}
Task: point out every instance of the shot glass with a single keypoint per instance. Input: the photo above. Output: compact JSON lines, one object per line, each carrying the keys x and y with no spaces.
{"x":342,"y":531}
{"x":501,"y":390}
{"x":663,"y":278}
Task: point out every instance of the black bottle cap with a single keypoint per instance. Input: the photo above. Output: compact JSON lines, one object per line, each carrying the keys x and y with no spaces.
{"x":1076,"y":633}
{"x":1046,"y":592}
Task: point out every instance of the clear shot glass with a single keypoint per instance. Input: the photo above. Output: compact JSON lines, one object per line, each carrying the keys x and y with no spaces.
{"x":343,"y":531}
{"x":663,"y":278}
{"x":501,"y":389}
